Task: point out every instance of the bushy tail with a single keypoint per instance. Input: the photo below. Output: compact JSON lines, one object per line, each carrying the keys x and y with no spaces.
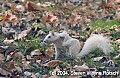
{"x":96,"y":41}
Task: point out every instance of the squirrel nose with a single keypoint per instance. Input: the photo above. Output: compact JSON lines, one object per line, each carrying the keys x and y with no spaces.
{"x":45,"y":41}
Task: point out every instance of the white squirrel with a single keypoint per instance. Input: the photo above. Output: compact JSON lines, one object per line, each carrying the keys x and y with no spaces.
{"x":63,"y":42}
{"x":53,"y":37}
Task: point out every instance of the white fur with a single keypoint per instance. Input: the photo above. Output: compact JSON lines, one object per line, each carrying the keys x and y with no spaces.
{"x":72,"y":45}
{"x":96,"y":41}
{"x":52,"y":38}
{"x":57,"y":43}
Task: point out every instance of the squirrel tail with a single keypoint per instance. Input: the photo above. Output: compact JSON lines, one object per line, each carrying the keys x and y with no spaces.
{"x":96,"y":41}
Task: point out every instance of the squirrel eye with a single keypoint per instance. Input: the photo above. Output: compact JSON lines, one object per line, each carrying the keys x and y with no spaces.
{"x":49,"y":36}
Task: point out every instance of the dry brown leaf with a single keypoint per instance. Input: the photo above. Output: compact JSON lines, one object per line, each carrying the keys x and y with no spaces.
{"x":5,"y":30}
{"x":49,"y":17}
{"x":13,"y":18}
{"x":117,"y":16}
{"x":117,"y":1}
{"x":109,"y":5}
{"x":33,"y":75}
{"x":36,"y":52}
{"x":17,"y":68}
{"x":31,"y":6}
{"x":26,"y":73}
{"x":18,"y":55}
{"x":28,"y":57}
{"x":81,"y":68}
{"x":3,"y":47}
{"x":118,"y":40}
{"x":12,"y":8}
{"x":11,"y":66}
{"x":20,"y":8}
{"x":50,"y":52}
{"x":45,"y":76}
{"x":6,"y":16}
{"x":99,"y":58}
{"x":25,"y":64}
{"x":46,"y":4}
{"x":53,"y":63}
{"x":37,"y":57}
{"x":116,"y":57}
{"x":4,"y":72}
{"x":2,"y":58}
{"x":39,"y":61}
{"x":23,"y":34}
{"x":31,"y":15}
{"x":8,"y":41}
{"x":9,"y":16}
{"x":118,"y":8}
{"x":68,"y":5}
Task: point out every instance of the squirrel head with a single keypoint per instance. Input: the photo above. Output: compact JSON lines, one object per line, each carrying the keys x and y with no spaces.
{"x":51,"y":37}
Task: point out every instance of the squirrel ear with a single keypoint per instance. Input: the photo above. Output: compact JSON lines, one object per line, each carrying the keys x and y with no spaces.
{"x":52,"y":32}
{"x":49,"y":32}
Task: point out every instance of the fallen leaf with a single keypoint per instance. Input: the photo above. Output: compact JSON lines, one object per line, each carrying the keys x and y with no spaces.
{"x":23,"y":34}
{"x":26,"y":73}
{"x":20,"y":8}
{"x":46,"y":4}
{"x":31,"y":6}
{"x":116,"y":57}
{"x":97,"y":59}
{"x":18,"y":55}
{"x":6,"y":16}
{"x":2,"y":57}
{"x":39,"y":61}
{"x":12,"y":8}
{"x":11,"y":66}
{"x":5,"y":30}
{"x":117,"y":1}
{"x":8,"y":41}
{"x":13,"y":18}
{"x":45,"y":76}
{"x":109,"y":5}
{"x":53,"y":63}
{"x":33,"y":75}
{"x":117,"y":16}
{"x":25,"y":64}
{"x":36,"y":52}
{"x":37,"y":57}
{"x":50,"y":52}
{"x":31,"y":15}
{"x":4,"y":72}
{"x":81,"y":68}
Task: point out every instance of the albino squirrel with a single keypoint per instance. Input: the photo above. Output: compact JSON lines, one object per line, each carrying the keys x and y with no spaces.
{"x":63,"y":42}
{"x":53,"y":37}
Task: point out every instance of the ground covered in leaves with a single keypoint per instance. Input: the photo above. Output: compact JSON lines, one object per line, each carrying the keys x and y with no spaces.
{"x":25,"y":23}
